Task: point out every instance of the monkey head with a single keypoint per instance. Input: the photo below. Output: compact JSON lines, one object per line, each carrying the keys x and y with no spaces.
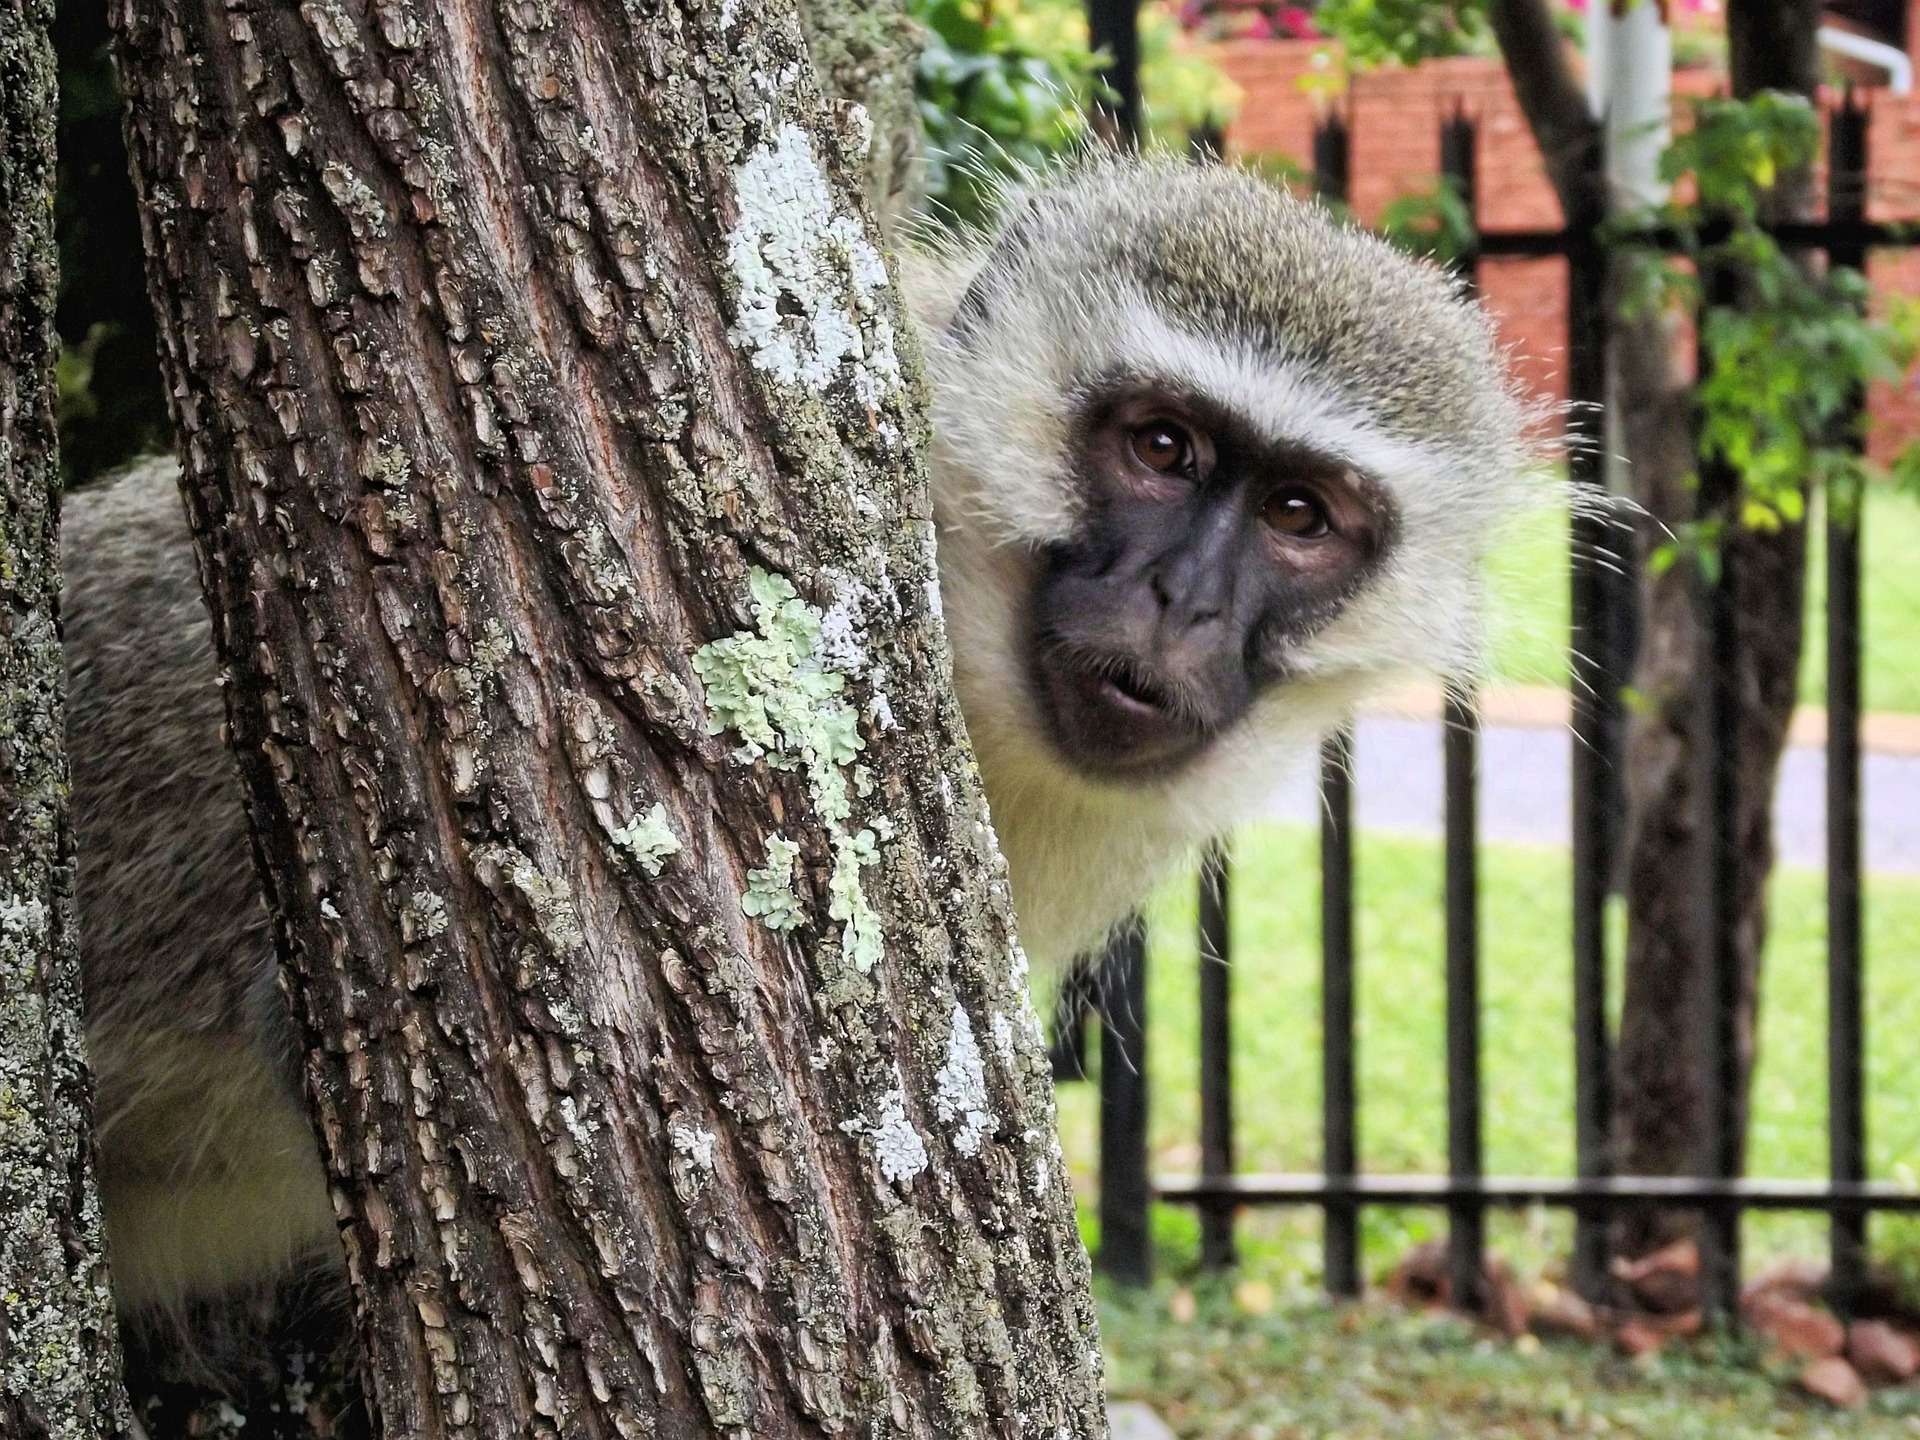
{"x":1210,"y":467}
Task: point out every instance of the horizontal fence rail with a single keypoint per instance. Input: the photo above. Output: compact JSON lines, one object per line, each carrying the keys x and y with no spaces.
{"x":1850,"y":232}
{"x":1603,"y":612}
{"x":1680,"y":1191}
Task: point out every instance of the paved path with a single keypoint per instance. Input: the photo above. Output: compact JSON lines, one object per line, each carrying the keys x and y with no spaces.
{"x":1525,"y":791}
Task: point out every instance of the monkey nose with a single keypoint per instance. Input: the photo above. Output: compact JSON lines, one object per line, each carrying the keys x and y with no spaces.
{"x":1185,"y":606}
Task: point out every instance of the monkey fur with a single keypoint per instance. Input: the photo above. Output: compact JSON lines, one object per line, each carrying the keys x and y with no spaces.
{"x":1209,"y":468}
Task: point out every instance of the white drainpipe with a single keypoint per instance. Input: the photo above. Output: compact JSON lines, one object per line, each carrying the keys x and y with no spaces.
{"x":1890,"y":58}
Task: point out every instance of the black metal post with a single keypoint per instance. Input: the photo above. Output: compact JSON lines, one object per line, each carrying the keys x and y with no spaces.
{"x":1460,"y":730}
{"x":1339,"y":1098}
{"x":1113,"y":27}
{"x":1339,"y":1106}
{"x":1331,"y":147}
{"x":1846,"y":1032}
{"x":1126,"y":1192}
{"x":1466,"y":1218}
{"x":1717,"y":702}
{"x":1216,"y":1054}
{"x":1596,"y":718}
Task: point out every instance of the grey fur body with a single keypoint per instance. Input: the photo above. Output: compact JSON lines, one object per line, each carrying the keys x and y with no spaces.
{"x":1202,"y":279}
{"x":210,"y":1176}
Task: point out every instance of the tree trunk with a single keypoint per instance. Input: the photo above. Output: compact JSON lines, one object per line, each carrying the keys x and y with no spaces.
{"x":1662,"y":1115}
{"x":1660,"y":1104}
{"x":664,"y":1023}
{"x":59,"y":1351}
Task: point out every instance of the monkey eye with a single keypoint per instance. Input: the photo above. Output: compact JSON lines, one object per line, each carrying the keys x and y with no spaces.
{"x":1163,"y":447}
{"x":1296,"y":513}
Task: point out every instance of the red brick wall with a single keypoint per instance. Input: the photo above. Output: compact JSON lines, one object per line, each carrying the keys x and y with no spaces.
{"x":1395,"y":116}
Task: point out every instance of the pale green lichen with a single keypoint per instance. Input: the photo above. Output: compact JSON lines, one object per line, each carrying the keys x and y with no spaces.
{"x":961,"y":1087}
{"x":770,"y":897}
{"x":648,"y":839}
{"x":548,"y":896}
{"x":810,"y":282}
{"x":778,"y":690}
{"x":491,"y":650}
{"x":425,"y":916}
{"x":860,"y":937}
{"x":897,"y":1146}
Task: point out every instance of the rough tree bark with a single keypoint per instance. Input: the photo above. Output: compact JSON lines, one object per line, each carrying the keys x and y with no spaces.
{"x":59,"y":1352}
{"x":1660,"y":1104}
{"x":551,"y":442}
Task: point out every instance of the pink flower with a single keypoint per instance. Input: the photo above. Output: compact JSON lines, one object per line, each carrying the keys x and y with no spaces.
{"x":1295,"y":21}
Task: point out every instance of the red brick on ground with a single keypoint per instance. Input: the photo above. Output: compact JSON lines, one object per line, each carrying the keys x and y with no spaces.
{"x":1882,"y":1354}
{"x":1642,"y":1335}
{"x":1795,"y":1329}
{"x":1665,"y":1282}
{"x":1836,"y":1382}
{"x":1560,"y":1313}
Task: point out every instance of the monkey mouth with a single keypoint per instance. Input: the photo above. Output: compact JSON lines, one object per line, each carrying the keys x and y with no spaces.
{"x":1131,"y":690}
{"x":1110,"y":714}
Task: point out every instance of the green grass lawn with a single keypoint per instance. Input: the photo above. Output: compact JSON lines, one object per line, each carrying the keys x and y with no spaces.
{"x":1307,"y":1371}
{"x":1528,"y":1083}
{"x":1529,"y":586}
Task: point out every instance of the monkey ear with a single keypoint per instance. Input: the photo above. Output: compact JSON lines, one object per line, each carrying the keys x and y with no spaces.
{"x":1013,"y":239}
{"x":932,"y":283}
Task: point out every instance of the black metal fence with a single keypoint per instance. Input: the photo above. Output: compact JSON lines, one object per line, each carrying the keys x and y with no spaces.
{"x":1602,"y":604}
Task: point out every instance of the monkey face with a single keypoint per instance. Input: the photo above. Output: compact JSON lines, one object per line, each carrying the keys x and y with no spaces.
{"x":1206,"y":554}
{"x":1210,"y":470}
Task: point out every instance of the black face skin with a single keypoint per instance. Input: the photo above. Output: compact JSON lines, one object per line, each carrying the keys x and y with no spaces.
{"x":1205,"y":553}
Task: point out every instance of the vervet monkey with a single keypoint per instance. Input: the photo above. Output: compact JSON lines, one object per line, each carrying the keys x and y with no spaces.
{"x":1209,"y":468}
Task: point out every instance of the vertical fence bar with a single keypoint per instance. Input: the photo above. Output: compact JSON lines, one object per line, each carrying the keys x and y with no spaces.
{"x":1206,"y":146}
{"x":1331,"y":139}
{"x":1126,"y":1249}
{"x":1339,"y":1111}
{"x":1216,"y":1055}
{"x":1846,"y":1038}
{"x":1595,"y":694}
{"x":1466,"y":1218}
{"x":1717,"y":702}
{"x":1460,"y":731}
{"x":1125,"y":1191}
{"x":1339,"y":1102}
{"x":1113,"y":26}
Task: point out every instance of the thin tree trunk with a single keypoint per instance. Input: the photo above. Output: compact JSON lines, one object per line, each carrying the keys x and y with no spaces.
{"x":1663,"y":1094}
{"x":59,"y":1351}
{"x":664,"y":1022}
{"x":1660,"y":1105}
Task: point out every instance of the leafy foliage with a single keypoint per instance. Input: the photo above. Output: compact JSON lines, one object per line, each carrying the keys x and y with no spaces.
{"x":1783,"y":362}
{"x":1000,"y":89}
{"x":1006,"y":88}
{"x":1736,"y":150}
{"x":1434,"y":223}
{"x":1405,"y":32}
